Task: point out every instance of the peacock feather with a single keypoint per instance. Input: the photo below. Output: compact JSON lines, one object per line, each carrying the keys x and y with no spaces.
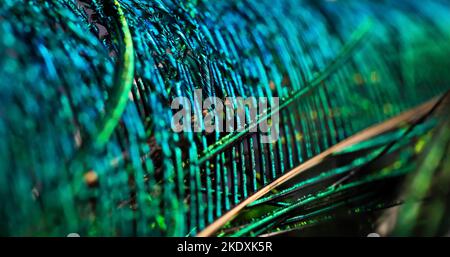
{"x":85,"y":117}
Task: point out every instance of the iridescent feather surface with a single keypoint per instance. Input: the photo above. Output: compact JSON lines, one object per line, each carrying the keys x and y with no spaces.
{"x":85,"y":117}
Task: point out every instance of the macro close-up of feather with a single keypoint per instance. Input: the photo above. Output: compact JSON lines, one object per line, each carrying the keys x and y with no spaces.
{"x":350,"y":134}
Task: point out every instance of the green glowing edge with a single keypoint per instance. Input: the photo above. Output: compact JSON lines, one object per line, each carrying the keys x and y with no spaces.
{"x":123,"y":81}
